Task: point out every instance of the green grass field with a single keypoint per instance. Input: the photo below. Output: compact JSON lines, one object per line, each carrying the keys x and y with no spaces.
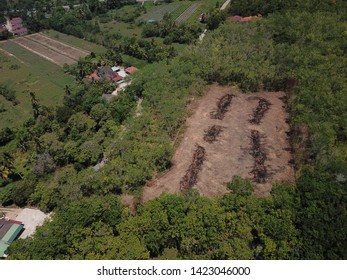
{"x":125,"y":29}
{"x":157,"y":12}
{"x":74,"y":41}
{"x":35,"y":74}
{"x":180,"y":9}
{"x":176,"y":8}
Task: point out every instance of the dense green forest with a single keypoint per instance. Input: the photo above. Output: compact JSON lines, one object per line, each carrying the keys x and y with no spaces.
{"x":48,"y":161}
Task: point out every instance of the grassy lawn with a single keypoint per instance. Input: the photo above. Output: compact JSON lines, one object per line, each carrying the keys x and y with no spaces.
{"x":157,"y":12}
{"x":125,"y":29}
{"x":133,"y":61}
{"x":35,"y":74}
{"x":74,"y":41}
{"x":180,"y":9}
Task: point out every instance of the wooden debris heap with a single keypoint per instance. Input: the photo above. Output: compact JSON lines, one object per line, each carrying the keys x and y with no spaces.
{"x":212,"y":133}
{"x":259,"y":112}
{"x":190,"y":178}
{"x":259,"y":170}
{"x":222,"y":107}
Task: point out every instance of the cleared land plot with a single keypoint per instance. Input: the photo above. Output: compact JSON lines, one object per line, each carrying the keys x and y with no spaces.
{"x":60,"y":47}
{"x":232,"y":153}
{"x":31,"y":218}
{"x":44,"y":51}
{"x":188,"y":13}
{"x":74,"y":41}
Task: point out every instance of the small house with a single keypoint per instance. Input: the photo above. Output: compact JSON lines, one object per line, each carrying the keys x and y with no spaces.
{"x":15,"y":26}
{"x":106,"y":72}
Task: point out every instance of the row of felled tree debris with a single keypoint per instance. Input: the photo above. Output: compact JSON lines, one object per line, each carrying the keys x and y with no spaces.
{"x":222,"y":107}
{"x":212,"y":133}
{"x":259,"y":170}
{"x":210,"y":136}
{"x":259,"y":112}
{"x":190,"y":178}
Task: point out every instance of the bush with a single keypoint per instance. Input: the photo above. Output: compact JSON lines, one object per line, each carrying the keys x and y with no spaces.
{"x":9,"y":94}
{"x":14,"y":67}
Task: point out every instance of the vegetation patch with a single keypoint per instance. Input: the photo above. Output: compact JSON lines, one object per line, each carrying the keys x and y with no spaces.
{"x":32,"y":73}
{"x":158,"y":12}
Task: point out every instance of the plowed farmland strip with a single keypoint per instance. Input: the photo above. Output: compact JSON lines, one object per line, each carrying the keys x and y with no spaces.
{"x":62,"y":48}
{"x":44,"y":52}
{"x":188,"y":13}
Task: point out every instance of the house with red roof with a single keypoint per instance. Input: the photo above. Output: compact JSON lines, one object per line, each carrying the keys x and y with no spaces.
{"x":15,"y":26}
{"x":115,"y":73}
{"x":94,"y":76}
{"x":118,"y":79}
{"x":131,"y":70}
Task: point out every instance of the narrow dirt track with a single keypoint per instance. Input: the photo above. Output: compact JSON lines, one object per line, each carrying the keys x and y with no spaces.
{"x":231,"y":154}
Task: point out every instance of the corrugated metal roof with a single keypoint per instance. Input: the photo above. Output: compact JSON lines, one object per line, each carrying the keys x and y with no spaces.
{"x":3,"y":248}
{"x":4,"y":227}
{"x":12,"y":233}
{"x":9,"y":230}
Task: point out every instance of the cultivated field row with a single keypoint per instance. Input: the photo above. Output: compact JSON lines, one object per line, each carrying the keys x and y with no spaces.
{"x":158,"y":13}
{"x":72,"y":52}
{"x":52,"y":50}
{"x":188,"y":13}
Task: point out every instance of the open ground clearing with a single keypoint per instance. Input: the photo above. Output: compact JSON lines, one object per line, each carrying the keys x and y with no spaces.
{"x":232,"y":150}
{"x":31,"y":218}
